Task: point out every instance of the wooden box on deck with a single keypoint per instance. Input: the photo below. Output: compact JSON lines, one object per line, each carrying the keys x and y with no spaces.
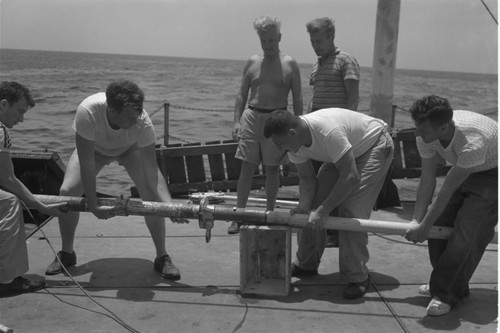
{"x":265,"y":260}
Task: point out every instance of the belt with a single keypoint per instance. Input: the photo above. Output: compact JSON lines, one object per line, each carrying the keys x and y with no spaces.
{"x":259,"y":110}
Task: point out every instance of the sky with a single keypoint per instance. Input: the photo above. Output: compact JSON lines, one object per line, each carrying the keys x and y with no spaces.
{"x":444,"y":35}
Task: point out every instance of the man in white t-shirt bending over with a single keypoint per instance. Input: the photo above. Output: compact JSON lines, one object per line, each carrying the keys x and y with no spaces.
{"x":467,"y":201}
{"x":113,"y":126}
{"x":357,"y":152}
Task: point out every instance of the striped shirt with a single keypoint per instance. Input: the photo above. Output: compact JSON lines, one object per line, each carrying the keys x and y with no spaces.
{"x":474,"y":144}
{"x":5,"y":142}
{"x":328,"y":76}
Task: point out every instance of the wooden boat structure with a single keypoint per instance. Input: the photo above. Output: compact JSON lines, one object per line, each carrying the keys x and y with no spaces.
{"x":211,"y":168}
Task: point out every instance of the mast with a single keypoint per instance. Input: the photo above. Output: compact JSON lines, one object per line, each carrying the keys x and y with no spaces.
{"x":384,"y":59}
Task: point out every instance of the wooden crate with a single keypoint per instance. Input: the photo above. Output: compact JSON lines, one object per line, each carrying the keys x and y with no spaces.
{"x":265,"y":260}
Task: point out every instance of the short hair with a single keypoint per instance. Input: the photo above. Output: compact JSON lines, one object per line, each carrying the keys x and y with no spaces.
{"x":122,"y":93}
{"x":322,"y":23}
{"x":266,"y":23}
{"x":433,"y":109}
{"x":13,"y":92}
{"x":279,"y":123}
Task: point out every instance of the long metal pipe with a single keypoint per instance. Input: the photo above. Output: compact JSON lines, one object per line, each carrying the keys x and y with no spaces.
{"x":124,"y":207}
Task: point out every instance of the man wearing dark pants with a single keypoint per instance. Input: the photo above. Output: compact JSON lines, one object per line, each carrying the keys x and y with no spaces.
{"x":467,"y":201}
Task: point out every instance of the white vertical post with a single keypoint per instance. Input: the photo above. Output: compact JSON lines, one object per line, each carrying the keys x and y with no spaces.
{"x":384,"y":59}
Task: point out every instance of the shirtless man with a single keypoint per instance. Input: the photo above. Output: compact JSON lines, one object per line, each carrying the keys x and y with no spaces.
{"x":269,"y":78}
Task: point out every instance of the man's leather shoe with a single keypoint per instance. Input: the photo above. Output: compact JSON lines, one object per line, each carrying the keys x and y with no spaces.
{"x":299,"y":272}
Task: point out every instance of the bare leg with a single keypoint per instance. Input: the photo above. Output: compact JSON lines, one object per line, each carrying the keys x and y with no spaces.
{"x":154,"y":190}
{"x":243,"y":191}
{"x":71,"y":186}
{"x":245,"y":183}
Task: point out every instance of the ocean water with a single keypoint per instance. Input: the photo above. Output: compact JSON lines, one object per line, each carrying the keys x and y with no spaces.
{"x":201,"y":93}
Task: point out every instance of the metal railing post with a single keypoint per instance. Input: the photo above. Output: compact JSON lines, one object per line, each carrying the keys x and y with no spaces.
{"x":166,"y":121}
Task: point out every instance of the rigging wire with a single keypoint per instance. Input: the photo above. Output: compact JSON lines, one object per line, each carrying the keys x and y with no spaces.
{"x":489,"y":11}
{"x":389,"y":307}
{"x":109,"y":314}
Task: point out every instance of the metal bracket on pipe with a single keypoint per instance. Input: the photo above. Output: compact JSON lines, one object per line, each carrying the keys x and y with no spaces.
{"x":213,"y":197}
{"x":206,"y":217}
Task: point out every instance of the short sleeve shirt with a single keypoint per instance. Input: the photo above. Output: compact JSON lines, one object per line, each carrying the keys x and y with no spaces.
{"x":328,"y":76}
{"x":474,"y":144}
{"x":91,"y":123}
{"x":334,"y":131}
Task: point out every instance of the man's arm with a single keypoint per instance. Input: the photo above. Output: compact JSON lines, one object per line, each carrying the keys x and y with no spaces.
{"x":425,"y":189}
{"x":307,"y":186}
{"x":298,"y":105}
{"x":10,"y":183}
{"x":352,"y":89}
{"x":454,"y":179}
{"x":241,"y":99}
{"x":348,"y":178}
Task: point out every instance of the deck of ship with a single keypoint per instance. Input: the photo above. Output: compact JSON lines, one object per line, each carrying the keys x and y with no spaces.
{"x":115,"y":269}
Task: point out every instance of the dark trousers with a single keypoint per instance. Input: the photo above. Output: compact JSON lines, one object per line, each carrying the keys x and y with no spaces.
{"x":473,"y":213}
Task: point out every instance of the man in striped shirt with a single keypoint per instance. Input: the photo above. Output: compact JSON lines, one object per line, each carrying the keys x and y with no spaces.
{"x":335,"y":76}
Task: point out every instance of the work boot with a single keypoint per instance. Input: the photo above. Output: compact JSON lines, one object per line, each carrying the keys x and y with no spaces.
{"x":20,"y":285}
{"x":356,"y":290}
{"x":301,"y":273}
{"x":165,"y":266}
{"x":67,"y":259}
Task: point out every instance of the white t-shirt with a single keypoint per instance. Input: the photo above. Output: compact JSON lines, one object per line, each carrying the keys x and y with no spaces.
{"x":474,"y":144}
{"x":91,"y":123}
{"x":334,"y":131}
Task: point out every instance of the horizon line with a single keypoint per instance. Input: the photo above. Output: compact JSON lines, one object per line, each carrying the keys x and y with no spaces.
{"x":209,"y":58}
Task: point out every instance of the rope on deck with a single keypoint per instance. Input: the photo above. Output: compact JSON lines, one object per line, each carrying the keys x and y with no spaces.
{"x":109,"y":313}
{"x":489,"y":11}
{"x":390,"y":308}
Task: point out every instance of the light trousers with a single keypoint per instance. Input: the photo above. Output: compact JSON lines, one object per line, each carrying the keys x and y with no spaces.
{"x":372,"y":168}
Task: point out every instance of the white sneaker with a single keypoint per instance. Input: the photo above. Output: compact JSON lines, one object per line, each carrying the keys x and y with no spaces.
{"x":424,"y":290}
{"x":437,"y":308}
